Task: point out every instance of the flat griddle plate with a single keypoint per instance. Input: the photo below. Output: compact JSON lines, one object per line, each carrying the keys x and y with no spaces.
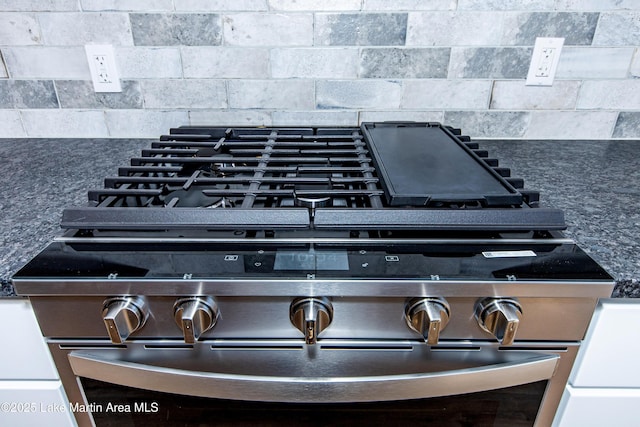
{"x":422,"y":164}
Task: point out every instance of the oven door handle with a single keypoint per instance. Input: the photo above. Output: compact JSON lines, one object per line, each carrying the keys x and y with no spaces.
{"x":538,"y":367}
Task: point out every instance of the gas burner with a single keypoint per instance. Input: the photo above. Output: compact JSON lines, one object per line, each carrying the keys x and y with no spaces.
{"x":223,"y":203}
{"x":222,"y":168}
{"x":311,"y":201}
{"x":206,"y":162}
{"x":192,"y":197}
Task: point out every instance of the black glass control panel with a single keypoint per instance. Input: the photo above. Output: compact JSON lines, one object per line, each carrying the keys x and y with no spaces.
{"x":562,"y":261}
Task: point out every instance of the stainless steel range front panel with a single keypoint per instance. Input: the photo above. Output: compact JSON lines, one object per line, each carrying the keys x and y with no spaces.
{"x":561,"y":319}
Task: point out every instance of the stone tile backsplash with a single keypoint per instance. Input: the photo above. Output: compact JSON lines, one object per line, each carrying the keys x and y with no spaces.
{"x":410,"y":63}
{"x":80,"y":94}
{"x":619,"y":28}
{"x":168,"y":29}
{"x":490,"y":62}
{"x":313,"y":63}
{"x":523,"y":28}
{"x":27,"y":94}
{"x":73,"y":29}
{"x":361,"y":29}
{"x":330,"y":63}
{"x":184,"y":93}
{"x":628,"y":125}
{"x":3,"y":69}
{"x":514,"y":95}
{"x":19,"y":29}
{"x":268,"y":29}
{"x":358,"y":94}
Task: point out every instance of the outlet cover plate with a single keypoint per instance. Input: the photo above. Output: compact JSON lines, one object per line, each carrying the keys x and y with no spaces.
{"x":544,"y":61}
{"x":102,"y":64}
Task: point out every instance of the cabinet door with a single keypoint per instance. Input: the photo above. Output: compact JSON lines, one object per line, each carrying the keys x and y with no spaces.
{"x":598,"y":407}
{"x":24,"y":353}
{"x":611,"y":347}
{"x":34,"y":403}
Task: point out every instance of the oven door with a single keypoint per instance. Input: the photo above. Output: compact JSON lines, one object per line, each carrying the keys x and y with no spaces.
{"x":332,"y":383}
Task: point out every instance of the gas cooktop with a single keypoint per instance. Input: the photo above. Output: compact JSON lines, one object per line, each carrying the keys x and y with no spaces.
{"x":404,"y":200}
{"x":380,"y":177}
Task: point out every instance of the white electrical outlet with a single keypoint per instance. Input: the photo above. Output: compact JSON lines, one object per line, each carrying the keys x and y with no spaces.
{"x":102,"y":63}
{"x":544,"y":61}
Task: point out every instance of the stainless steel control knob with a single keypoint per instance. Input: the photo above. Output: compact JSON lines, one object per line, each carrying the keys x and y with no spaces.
{"x":195,"y":316}
{"x":311,"y":316}
{"x":123,"y":316}
{"x":427,"y":316}
{"x":500,"y":317}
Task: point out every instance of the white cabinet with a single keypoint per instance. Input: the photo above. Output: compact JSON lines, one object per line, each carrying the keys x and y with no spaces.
{"x":604,"y":386}
{"x":24,"y":353}
{"x":583,"y":407}
{"x":613,"y":347}
{"x":34,"y":403}
{"x":30,"y":390}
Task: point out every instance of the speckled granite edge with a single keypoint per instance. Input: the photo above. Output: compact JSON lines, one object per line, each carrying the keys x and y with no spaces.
{"x":629,"y":288}
{"x":7,"y":289}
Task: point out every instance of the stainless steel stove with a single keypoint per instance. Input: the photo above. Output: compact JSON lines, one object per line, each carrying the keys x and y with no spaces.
{"x":317,"y":276}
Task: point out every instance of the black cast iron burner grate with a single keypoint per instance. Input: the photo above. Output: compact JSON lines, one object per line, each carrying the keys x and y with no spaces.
{"x":410,"y":176}
{"x":247,"y":168}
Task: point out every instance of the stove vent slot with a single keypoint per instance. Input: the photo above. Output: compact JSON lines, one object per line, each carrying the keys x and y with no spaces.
{"x":553,"y":349}
{"x":168,"y":347}
{"x":256,"y":347}
{"x":91,"y":346}
{"x":464,"y":348}
{"x":376,"y":348}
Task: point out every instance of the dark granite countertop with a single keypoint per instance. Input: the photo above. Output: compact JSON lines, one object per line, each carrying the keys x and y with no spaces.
{"x":596,"y":183}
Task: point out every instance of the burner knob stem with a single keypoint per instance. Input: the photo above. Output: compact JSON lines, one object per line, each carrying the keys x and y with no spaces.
{"x":195,"y":316}
{"x":500,"y":317}
{"x":311,"y":316}
{"x":123,"y":316}
{"x":427,"y":316}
